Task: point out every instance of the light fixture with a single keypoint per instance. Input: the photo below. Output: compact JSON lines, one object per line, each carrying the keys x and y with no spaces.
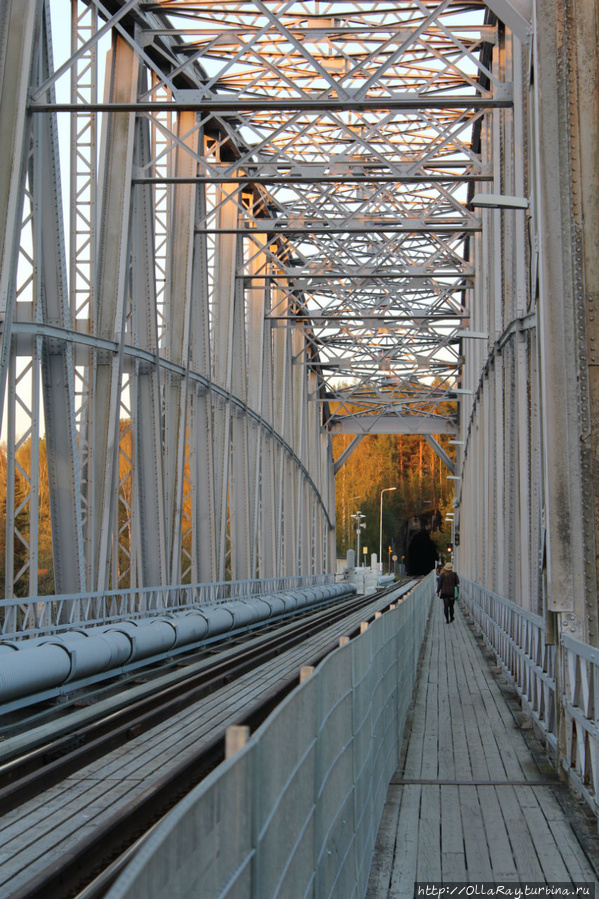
{"x":498,"y":201}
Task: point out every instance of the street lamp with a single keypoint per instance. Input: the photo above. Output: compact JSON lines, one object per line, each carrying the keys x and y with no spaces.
{"x":359,"y":526}
{"x":386,"y":490}
{"x":350,"y":502}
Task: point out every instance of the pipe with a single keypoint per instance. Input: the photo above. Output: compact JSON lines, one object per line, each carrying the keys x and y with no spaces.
{"x":41,"y":664}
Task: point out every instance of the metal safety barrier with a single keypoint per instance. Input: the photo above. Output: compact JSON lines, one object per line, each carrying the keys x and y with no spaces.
{"x":40,"y":615}
{"x":43,"y":667}
{"x":295,"y":812}
{"x":569,"y":720}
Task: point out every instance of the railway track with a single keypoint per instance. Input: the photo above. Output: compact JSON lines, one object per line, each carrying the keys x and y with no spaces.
{"x":44,"y":762}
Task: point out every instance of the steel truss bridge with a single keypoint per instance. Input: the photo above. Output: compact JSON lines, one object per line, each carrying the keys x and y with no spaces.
{"x":232,"y":229}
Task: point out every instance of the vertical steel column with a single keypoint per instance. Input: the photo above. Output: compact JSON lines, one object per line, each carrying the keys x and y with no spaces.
{"x":499,"y":476}
{"x":315,"y":511}
{"x":150,"y":518}
{"x":524,"y":510}
{"x":82,"y":243}
{"x":283,"y":419}
{"x":178,"y":296}
{"x":18,"y":19}
{"x":112,"y":266}
{"x":281,"y":375}
{"x":579,"y":30}
{"x":570,"y":582}
{"x":83,"y":164}
{"x":57,"y":356}
{"x":270,"y":523}
{"x":224,"y":307}
{"x":9,"y":565}
{"x":524,"y":448}
{"x":239,"y":488}
{"x":536,"y":474}
{"x":331,"y":549}
{"x":298,"y":387}
{"x":162,"y":135}
{"x":201,"y":434}
{"x":258,"y":331}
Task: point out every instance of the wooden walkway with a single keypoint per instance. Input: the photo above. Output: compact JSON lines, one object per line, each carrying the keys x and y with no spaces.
{"x":469,"y":802}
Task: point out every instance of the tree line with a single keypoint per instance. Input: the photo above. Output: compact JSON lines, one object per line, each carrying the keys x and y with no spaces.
{"x":406,"y":462}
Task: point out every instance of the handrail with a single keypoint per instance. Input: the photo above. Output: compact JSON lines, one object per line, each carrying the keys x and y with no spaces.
{"x":518,"y":638}
{"x":568,"y":716}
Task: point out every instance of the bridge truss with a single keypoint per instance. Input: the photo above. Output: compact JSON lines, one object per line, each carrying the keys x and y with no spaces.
{"x":232,"y":229}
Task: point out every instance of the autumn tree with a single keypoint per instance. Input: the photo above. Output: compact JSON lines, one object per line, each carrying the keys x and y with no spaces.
{"x":406,"y":462}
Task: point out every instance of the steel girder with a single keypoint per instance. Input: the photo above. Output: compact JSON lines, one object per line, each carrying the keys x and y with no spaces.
{"x":527,"y":505}
{"x":276,"y":227}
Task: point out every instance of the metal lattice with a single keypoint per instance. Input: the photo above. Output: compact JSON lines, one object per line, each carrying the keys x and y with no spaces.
{"x":269,"y":244}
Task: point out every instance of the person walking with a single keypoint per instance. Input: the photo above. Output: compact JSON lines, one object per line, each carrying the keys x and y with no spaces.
{"x":438,"y":571}
{"x":446,"y":589}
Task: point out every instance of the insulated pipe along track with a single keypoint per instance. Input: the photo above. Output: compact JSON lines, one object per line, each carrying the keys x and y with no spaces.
{"x":44,"y":664}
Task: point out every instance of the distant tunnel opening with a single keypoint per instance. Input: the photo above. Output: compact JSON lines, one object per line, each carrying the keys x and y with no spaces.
{"x":421,"y":555}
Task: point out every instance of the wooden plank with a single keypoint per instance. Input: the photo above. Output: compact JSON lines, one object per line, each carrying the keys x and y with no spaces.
{"x":469,"y":757}
{"x":515,"y":756}
{"x":429,"y":835}
{"x":500,"y":849}
{"x":403,"y":874}
{"x":478,"y":862}
{"x":19,"y":833}
{"x":430,"y":744}
{"x":523,"y":848}
{"x":452,"y":835}
{"x":448,"y":765}
{"x":384,"y":850}
{"x":461,"y":754}
{"x":572,"y":853}
{"x":48,"y":837}
{"x":547,"y":848}
{"x":413,"y":763}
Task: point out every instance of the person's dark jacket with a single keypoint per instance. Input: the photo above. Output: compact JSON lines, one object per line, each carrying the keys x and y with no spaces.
{"x":448,"y":581}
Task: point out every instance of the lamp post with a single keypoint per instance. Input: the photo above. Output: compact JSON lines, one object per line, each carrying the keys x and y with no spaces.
{"x":359,"y":526}
{"x":349,"y":525}
{"x":386,"y":490}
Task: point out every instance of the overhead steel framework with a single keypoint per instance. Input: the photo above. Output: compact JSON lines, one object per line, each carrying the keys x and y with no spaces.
{"x":256,"y":236}
{"x":231,"y":229}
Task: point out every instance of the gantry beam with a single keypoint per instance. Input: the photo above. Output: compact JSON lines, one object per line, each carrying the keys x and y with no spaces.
{"x":391,"y":424}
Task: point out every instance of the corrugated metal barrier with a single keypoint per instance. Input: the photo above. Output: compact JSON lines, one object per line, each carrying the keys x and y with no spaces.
{"x":295,"y":813}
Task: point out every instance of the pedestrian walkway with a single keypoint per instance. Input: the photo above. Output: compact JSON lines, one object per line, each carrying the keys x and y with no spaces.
{"x":469,"y":802}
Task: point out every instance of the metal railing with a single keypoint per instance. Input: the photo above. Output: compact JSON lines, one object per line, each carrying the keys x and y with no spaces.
{"x":568,"y":717}
{"x":43,"y":615}
{"x":296,"y":811}
{"x":580,"y":704}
